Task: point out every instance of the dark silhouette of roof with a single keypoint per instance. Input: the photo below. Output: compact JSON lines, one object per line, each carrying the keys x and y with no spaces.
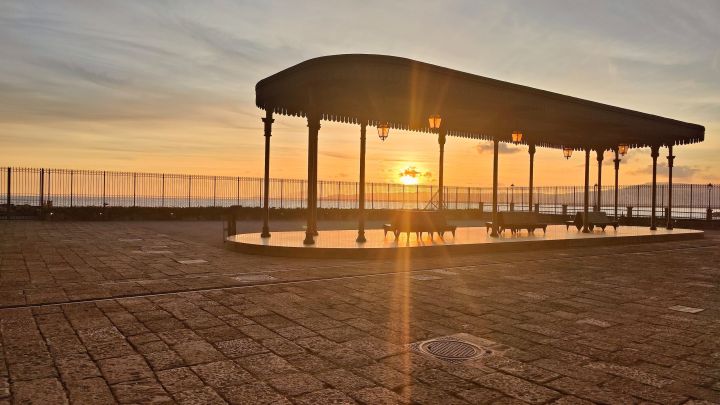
{"x":404,"y":93}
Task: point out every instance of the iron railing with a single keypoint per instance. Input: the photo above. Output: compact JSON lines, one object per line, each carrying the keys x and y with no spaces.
{"x":84,"y":188}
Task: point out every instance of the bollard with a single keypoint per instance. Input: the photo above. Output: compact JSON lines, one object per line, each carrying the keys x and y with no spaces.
{"x":629,"y":212}
{"x":231,"y":225}
{"x":709,"y":214}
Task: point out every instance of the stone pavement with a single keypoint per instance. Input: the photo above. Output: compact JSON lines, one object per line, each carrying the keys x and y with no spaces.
{"x":117,"y":313}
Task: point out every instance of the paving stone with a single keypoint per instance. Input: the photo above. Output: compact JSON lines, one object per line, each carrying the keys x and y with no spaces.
{"x":197,"y":352}
{"x":520,"y":369}
{"x":590,"y":392}
{"x":571,"y":400}
{"x":631,"y":373}
{"x":479,"y":395}
{"x":219,"y":333}
{"x":344,"y":380}
{"x":123,"y":369}
{"x":426,"y":395}
{"x":282,"y":346}
{"x":240,"y":347}
{"x":310,"y":363}
{"x":222,"y":374}
{"x":644,"y":391}
{"x":258,"y":393}
{"x":77,"y":367}
{"x":325,"y":396}
{"x":33,"y":369}
{"x":440,"y":378}
{"x":384,"y":375}
{"x":377,"y":396}
{"x":42,"y":391}
{"x":517,"y":388}
{"x":164,"y":360}
{"x":146,"y":391}
{"x":266,"y":365}
{"x":90,"y":391}
{"x":179,"y":379}
{"x":199,"y":396}
{"x":295,"y":384}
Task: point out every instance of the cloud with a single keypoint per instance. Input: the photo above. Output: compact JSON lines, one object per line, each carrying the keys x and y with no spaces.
{"x":503,"y":148}
{"x":679,"y":172}
{"x":413,"y":172}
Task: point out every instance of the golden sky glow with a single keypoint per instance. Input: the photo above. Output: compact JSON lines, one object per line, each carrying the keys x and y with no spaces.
{"x":169,"y":87}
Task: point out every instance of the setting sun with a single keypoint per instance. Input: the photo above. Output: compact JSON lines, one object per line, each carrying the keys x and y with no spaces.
{"x":408,"y":180}
{"x":410,"y":176}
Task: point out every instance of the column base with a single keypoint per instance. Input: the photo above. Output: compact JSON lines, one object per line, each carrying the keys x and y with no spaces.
{"x":361,"y":238}
{"x":653,"y":228}
{"x":309,"y":240}
{"x":265,"y":232}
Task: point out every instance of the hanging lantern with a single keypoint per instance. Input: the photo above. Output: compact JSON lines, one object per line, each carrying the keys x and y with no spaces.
{"x":383,"y":131}
{"x":517,"y":137}
{"x":435,"y":121}
{"x":623,"y":149}
{"x":567,"y":152}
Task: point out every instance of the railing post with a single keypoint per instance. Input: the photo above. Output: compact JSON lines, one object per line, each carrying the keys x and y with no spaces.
{"x":8,"y":197}
{"x":189,"y":188}
{"x":42,"y":186}
{"x":48,"y":196}
{"x":238,"y":190}
{"x":282,"y":186}
{"x":691,"y":201}
{"x":71,"y":187}
{"x":214,"y":189}
{"x":134,"y":188}
{"x":104,"y":201}
{"x":162,"y":198}
{"x":372,"y":195}
{"x":338,"y":195}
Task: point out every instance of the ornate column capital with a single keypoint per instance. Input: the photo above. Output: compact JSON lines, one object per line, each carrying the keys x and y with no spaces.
{"x":654,"y":151}
{"x":670,"y":157}
{"x":600,"y":155}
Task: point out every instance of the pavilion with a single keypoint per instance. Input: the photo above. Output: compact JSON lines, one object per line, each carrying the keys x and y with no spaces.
{"x":392,"y":92}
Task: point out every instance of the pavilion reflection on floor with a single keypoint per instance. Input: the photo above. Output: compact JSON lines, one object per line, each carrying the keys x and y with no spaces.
{"x":341,"y":243}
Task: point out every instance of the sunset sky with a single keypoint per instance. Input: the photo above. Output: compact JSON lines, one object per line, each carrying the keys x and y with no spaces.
{"x":168,"y":86}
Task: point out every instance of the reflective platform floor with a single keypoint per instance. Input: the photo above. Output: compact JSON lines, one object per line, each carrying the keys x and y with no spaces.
{"x":341,"y":243}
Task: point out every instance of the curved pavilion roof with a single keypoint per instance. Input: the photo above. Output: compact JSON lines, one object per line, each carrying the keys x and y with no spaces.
{"x":404,"y":92}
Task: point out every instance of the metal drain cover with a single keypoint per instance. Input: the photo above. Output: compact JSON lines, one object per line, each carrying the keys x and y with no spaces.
{"x":457,"y":348}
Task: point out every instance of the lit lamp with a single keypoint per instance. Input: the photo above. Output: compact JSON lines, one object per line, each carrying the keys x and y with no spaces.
{"x":623,"y":149}
{"x":383,"y":130}
{"x":516,"y":137}
{"x":567,"y":152}
{"x":435,"y":121}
